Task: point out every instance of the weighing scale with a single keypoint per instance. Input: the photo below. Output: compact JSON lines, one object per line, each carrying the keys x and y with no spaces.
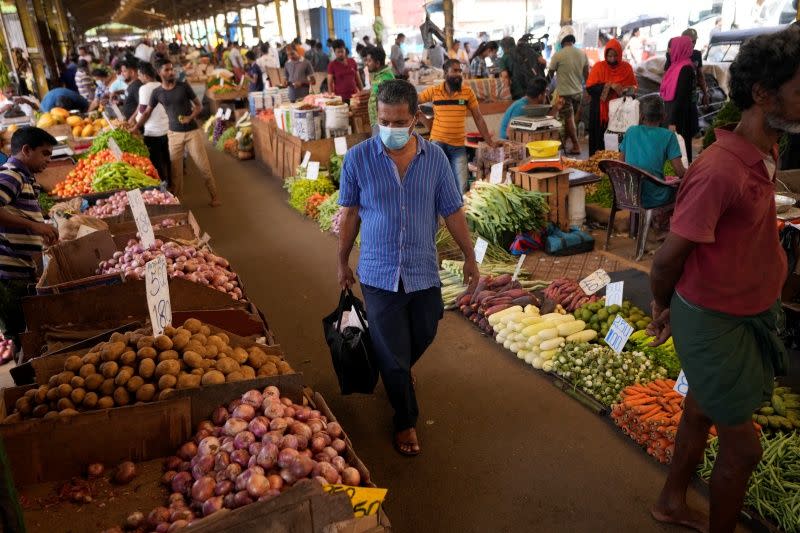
{"x":534,"y":123}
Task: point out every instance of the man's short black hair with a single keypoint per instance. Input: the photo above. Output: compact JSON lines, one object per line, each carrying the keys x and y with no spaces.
{"x":338,"y":43}
{"x":130,"y":63}
{"x":767,"y":60}
{"x":378,"y":55}
{"x":449,"y":64}
{"x":398,"y":92}
{"x":250,"y":55}
{"x":536,"y":87}
{"x":99,"y":73}
{"x":568,"y":39}
{"x":83,"y":64}
{"x":148,"y":70}
{"x":162,"y":62}
{"x":32,"y":137}
{"x":400,"y":36}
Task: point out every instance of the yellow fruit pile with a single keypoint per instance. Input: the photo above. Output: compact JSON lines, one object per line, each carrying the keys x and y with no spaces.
{"x":81,"y":127}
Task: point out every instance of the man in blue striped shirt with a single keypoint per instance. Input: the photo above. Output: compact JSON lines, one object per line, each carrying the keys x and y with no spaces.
{"x":22,"y":228}
{"x":395,"y":186}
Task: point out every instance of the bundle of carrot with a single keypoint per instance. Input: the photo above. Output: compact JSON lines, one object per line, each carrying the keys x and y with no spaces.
{"x":649,"y":414}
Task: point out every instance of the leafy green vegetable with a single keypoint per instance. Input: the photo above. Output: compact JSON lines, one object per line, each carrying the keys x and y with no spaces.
{"x":301,"y":189}
{"x":335,"y":168}
{"x":120,"y":175}
{"x":499,"y":211}
{"x":603,"y":194}
{"x":327,"y":211}
{"x":664,"y":355}
{"x":126,"y":141}
{"x":45,"y":202}
{"x":228,"y":134}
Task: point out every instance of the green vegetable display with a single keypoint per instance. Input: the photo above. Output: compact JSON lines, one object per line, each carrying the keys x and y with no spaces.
{"x":301,"y":189}
{"x":781,"y":413}
{"x":335,"y":168}
{"x":602,"y":194}
{"x":328,"y":210}
{"x":126,"y":141}
{"x":498,"y":212}
{"x":46,"y":202}
{"x":120,"y":175}
{"x":774,"y":488}
{"x":663,"y":355}
{"x":228,"y":134}
{"x":601,"y":372}
{"x":599,"y":317}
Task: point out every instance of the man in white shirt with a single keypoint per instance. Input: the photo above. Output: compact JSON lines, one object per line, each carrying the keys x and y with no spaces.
{"x":144,"y":52}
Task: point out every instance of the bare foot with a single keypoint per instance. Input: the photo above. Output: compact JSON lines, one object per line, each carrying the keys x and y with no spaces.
{"x":684,"y":516}
{"x":215,"y":203}
{"x":406,"y":443}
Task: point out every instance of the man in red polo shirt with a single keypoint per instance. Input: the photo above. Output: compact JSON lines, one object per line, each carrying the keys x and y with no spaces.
{"x":717,"y":279}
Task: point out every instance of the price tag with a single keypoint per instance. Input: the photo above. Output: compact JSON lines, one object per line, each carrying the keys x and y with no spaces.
{"x":141,"y":218}
{"x":366,"y":501}
{"x":157,"y":286}
{"x":221,"y":81}
{"x":84,"y":230}
{"x":614,"y":293}
{"x":108,"y":119}
{"x":193,"y":224}
{"x":519,"y":267}
{"x":227,"y":113}
{"x":306,"y":159}
{"x":340,"y":143}
{"x":241,"y":82}
{"x":681,"y":385}
{"x":480,"y":249}
{"x":204,"y":239}
{"x":618,"y":334}
{"x":595,"y":281}
{"x":508,"y":178}
{"x":220,"y":111}
{"x":312,"y":170}
{"x":367,"y":85}
{"x":115,"y":149}
{"x":496,"y":175}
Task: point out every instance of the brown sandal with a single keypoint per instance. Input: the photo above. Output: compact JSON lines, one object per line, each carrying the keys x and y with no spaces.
{"x":407,"y":447}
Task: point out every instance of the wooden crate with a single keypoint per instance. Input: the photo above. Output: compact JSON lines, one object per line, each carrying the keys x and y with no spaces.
{"x":264,"y":143}
{"x":290,"y":150}
{"x":555,"y":184}
{"x":524,"y":136}
{"x":215,"y":100}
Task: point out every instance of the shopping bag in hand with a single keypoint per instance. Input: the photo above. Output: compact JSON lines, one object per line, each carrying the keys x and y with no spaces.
{"x":351,"y":347}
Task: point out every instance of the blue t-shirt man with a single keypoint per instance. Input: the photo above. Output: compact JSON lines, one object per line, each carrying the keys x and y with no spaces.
{"x":516,"y":109}
{"x":649,"y":148}
{"x":534,"y":95}
{"x":66,"y":98}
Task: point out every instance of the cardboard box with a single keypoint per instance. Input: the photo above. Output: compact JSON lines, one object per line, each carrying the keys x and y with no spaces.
{"x":187,"y":229}
{"x":73,"y":264}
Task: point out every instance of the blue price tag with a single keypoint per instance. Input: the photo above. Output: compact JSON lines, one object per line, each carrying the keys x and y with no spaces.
{"x":618,"y":334}
{"x":681,"y":385}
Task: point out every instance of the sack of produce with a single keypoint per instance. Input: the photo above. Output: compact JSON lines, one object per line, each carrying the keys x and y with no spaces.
{"x":69,"y":226}
{"x":351,"y":347}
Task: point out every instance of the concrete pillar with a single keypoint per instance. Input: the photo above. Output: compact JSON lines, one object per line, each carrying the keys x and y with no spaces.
{"x":331,"y":25}
{"x":278,"y":14}
{"x":258,"y":22}
{"x":296,"y":19}
{"x":31,"y":34}
{"x":566,"y":12}
{"x":447,"y":7}
{"x":376,"y":5}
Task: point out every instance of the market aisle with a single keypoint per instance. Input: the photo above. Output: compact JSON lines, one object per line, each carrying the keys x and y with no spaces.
{"x":503,"y":449}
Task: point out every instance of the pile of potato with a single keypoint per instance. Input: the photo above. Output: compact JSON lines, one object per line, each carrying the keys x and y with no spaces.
{"x":138,"y":367}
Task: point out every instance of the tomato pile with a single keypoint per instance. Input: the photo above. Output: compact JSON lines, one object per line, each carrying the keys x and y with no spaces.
{"x":79,"y":180}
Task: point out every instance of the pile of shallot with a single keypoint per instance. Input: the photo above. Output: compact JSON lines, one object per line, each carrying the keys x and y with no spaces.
{"x":188,"y":262}
{"x":116,"y":203}
{"x":253,"y":449}
{"x":169,"y":223}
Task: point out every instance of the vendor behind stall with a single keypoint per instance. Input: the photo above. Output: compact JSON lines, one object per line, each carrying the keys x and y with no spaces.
{"x":534,"y":95}
{"x":23,"y":231}
{"x":27,"y":104}
{"x":65,"y":98}
{"x":299,"y":75}
{"x":451,"y":101}
{"x":648,"y":146}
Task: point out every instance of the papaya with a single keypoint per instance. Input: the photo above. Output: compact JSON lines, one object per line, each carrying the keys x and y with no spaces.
{"x":88,"y":131}
{"x":76,"y":131}
{"x":45,"y":121}
{"x":73,"y":120}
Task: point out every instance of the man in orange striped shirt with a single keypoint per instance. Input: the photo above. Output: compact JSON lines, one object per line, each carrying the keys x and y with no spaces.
{"x":450,"y":104}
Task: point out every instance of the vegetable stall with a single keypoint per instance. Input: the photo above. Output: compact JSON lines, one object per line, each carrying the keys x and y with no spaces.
{"x":201,"y":419}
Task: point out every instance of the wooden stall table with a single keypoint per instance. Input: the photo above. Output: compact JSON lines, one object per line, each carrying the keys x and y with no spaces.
{"x":543,"y":134}
{"x":216,"y":100}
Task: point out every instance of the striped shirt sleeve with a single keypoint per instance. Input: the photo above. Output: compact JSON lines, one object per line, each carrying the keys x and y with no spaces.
{"x":448,"y":199}
{"x":349,"y":191}
{"x":426,"y":96}
{"x":472,"y":100}
{"x":9,"y":189}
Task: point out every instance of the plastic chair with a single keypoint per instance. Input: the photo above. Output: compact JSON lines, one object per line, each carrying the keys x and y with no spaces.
{"x":626,"y":182}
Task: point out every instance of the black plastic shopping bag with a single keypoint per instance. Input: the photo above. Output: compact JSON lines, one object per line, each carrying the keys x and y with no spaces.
{"x":351,"y":347}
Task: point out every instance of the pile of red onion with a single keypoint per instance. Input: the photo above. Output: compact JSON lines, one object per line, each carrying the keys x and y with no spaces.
{"x":253,"y":449}
{"x":193,"y":264}
{"x":116,"y":203}
{"x":169,"y":223}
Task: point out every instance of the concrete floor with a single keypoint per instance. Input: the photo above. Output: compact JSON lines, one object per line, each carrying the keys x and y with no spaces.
{"x":503,"y":449}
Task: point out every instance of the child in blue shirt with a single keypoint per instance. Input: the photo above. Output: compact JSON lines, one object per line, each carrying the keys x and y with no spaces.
{"x":534,"y":95}
{"x":648,"y":146}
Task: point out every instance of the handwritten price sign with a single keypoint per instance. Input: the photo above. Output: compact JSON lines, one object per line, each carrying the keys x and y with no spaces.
{"x":481,"y":245}
{"x":618,"y":334}
{"x":366,"y":501}
{"x":681,"y":385}
{"x":614,"y":293}
{"x":141,"y":218}
{"x":157,"y":287}
{"x":595,"y":281}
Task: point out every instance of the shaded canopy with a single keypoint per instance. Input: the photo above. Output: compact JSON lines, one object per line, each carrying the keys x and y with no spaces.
{"x":147,"y":14}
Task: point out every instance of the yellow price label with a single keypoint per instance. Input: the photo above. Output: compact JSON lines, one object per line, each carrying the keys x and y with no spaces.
{"x":366,"y":501}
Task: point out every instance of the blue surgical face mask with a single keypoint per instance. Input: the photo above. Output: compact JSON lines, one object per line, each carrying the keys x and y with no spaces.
{"x":394,"y":138}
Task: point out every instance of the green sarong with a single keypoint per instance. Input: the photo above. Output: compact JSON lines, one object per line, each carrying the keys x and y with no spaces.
{"x":730,"y":361}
